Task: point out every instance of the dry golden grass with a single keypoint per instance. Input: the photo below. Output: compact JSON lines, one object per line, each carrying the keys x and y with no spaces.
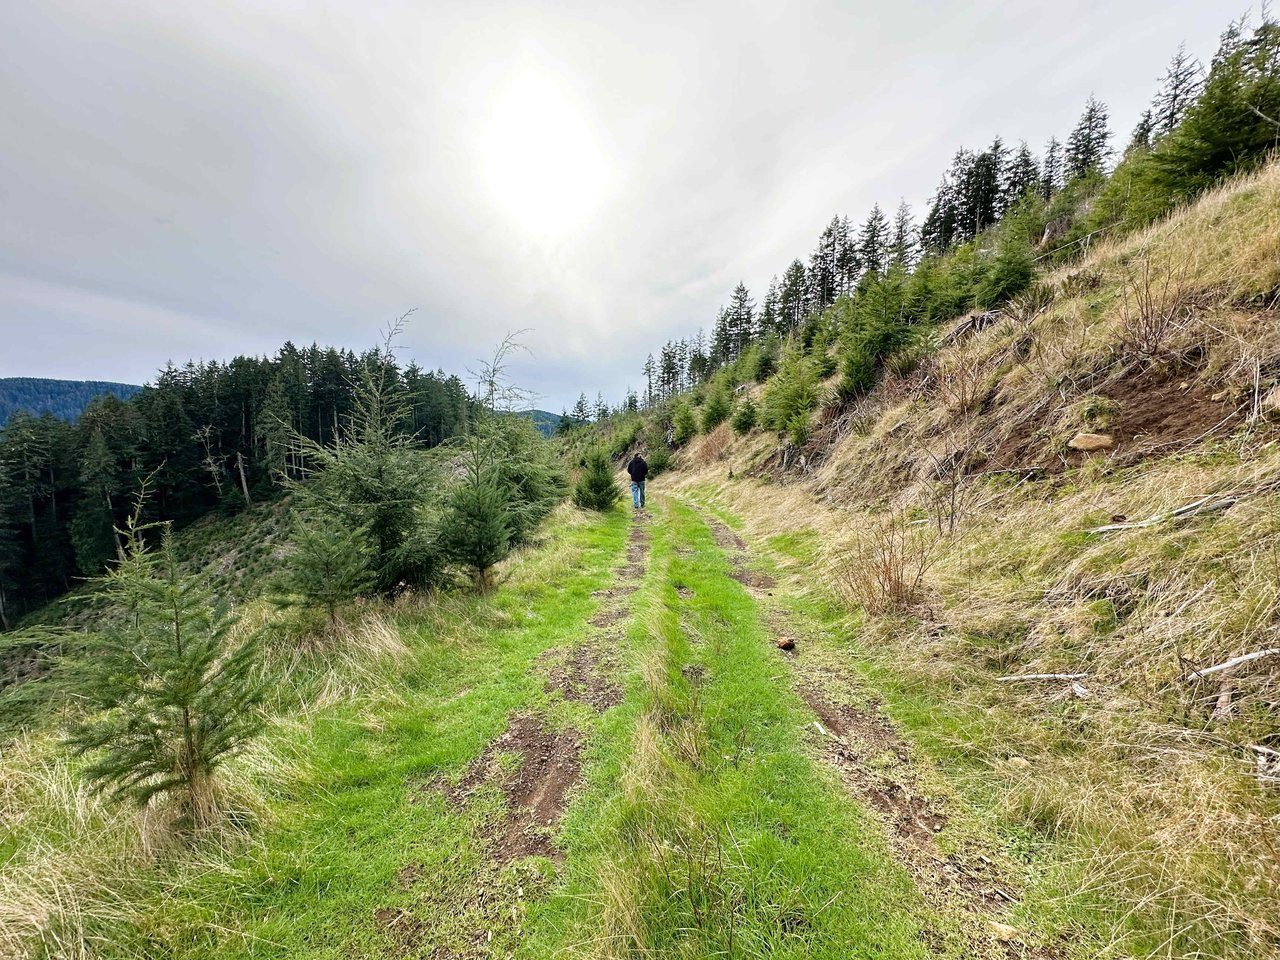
{"x":1146,"y":780}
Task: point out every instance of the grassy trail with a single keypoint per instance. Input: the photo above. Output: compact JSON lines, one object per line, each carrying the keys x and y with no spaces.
{"x":608,"y":758}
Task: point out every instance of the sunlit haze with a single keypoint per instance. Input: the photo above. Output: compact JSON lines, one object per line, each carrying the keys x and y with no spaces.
{"x":194,"y":180}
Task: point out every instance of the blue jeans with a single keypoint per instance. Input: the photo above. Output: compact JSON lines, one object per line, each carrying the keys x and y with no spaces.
{"x":637,"y":494}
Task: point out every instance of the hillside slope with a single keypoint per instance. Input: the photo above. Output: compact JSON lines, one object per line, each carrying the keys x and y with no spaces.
{"x":65,"y":399}
{"x":1056,"y":538}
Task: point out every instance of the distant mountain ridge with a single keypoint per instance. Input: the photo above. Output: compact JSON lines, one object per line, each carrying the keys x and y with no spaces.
{"x":544,"y":421}
{"x":65,"y":399}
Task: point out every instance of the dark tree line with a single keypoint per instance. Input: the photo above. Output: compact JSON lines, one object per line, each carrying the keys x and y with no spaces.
{"x":998,"y":209}
{"x":209,"y":436}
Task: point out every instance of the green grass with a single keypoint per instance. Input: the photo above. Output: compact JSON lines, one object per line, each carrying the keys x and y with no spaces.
{"x":704,"y":823}
{"x":709,"y":830}
{"x":966,"y":729}
{"x":350,"y":813}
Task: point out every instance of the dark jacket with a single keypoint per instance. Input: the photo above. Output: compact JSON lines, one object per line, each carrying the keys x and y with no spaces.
{"x":637,"y":469}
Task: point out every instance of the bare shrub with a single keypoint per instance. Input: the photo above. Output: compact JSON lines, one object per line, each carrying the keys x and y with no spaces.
{"x":1156,"y":307}
{"x":714,"y":445}
{"x":948,"y":492}
{"x":962,"y":378}
{"x":886,"y":573}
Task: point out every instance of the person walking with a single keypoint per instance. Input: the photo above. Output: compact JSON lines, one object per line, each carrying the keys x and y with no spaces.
{"x":637,"y":470}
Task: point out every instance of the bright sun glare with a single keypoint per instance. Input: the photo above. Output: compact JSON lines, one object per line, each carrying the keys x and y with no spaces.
{"x":540,"y":159}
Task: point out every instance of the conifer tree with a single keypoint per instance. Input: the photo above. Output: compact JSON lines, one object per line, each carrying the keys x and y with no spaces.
{"x":275,"y":428}
{"x":1179,"y":88}
{"x":1234,"y":124}
{"x":1087,"y":148}
{"x":370,"y":476}
{"x":847,"y":258}
{"x":331,"y":565}
{"x":93,"y":525}
{"x":940,"y":226}
{"x":741,"y":321}
{"x":1021,"y":176}
{"x":982,"y":188}
{"x":744,"y":417}
{"x":1142,"y":134}
{"x":716,"y":408}
{"x":684,"y":425}
{"x":770,"y":312}
{"x":170,"y":695}
{"x":597,"y":489}
{"x":791,"y":297}
{"x":825,"y":264}
{"x":904,"y":242}
{"x":477,"y":525}
{"x":1051,"y":169}
{"x":873,"y":241}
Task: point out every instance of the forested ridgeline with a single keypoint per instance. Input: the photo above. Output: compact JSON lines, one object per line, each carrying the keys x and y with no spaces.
{"x":65,"y":399}
{"x":209,"y":436}
{"x":997,"y":216}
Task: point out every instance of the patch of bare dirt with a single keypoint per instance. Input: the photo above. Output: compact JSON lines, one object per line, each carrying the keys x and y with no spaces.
{"x":583,"y":676}
{"x":876,"y":766}
{"x":695,"y":673}
{"x":637,"y":550}
{"x":535,"y":792}
{"x":616,"y":593}
{"x":1154,"y":415}
{"x":724,"y":536}
{"x":550,"y":763}
{"x":753,"y":578}
{"x":608,"y":617}
{"x":409,"y":874}
{"x":684,"y":593}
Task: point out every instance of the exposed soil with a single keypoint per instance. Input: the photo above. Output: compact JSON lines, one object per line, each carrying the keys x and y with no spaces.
{"x":637,"y":550}
{"x":608,"y":617}
{"x":724,"y":537}
{"x":535,"y":793}
{"x":584,"y":677}
{"x":409,"y":874}
{"x":876,"y":766}
{"x":1155,"y":415}
{"x":615,"y":593}
{"x":753,"y":578}
{"x":695,"y":673}
{"x":684,"y":593}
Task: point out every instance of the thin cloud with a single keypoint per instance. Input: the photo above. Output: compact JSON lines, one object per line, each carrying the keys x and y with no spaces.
{"x":195,"y":181}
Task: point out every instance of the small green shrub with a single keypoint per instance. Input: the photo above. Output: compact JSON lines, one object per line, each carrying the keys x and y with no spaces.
{"x":744,"y":417}
{"x":684,"y":426}
{"x":716,"y":409}
{"x":792,"y":391}
{"x":596,"y":488}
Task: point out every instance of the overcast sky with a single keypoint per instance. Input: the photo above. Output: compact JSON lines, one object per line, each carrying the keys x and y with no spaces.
{"x":201,"y":179}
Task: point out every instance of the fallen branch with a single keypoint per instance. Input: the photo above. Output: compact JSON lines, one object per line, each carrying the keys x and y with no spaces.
{"x":1206,"y":504}
{"x":1041,"y":676}
{"x":1230,"y":665}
